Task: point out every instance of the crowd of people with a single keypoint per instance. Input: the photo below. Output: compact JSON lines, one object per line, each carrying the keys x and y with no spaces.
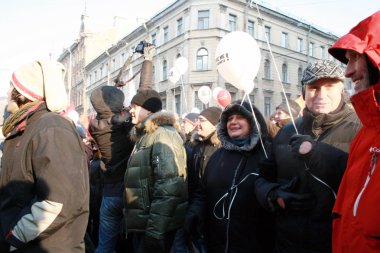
{"x":142,"y":180}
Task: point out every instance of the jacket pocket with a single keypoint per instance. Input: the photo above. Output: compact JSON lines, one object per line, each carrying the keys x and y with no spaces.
{"x":145,"y":194}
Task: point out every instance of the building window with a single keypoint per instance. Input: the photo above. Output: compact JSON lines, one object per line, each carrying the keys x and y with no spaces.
{"x":164,"y":70}
{"x":232,"y":22}
{"x":251,"y":28}
{"x":166,"y":34}
{"x":101,"y":72}
{"x":299,"y":76}
{"x":267,"y":70}
{"x":323,"y":52}
{"x":197,"y":102}
{"x":267,"y":106}
{"x":113,"y":66}
{"x":202,"y":59}
{"x":284,"y":40}
{"x":179,"y":26}
{"x":154,"y":39}
{"x":203,"y":19}
{"x":311,"y":49}
{"x":163,"y":99}
{"x":268,"y":33}
{"x":177,"y":99}
{"x":300,"y":45}
{"x":96,"y":76}
{"x":285,"y":76}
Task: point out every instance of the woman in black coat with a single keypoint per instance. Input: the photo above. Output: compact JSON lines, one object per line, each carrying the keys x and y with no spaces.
{"x":225,"y":205}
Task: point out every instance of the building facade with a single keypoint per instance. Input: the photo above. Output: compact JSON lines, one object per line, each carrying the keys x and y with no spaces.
{"x":193,"y":29}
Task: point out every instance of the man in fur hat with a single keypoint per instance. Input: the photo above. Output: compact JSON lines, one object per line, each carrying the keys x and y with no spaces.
{"x":44,"y":180}
{"x":155,"y":180}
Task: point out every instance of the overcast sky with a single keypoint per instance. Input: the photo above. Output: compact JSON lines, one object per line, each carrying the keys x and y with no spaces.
{"x":31,"y":29}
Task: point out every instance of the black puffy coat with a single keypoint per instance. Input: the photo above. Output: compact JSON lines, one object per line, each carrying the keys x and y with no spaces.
{"x":309,"y":231}
{"x":225,"y":202}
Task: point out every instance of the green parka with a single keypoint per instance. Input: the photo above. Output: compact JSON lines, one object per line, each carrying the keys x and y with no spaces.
{"x":155,"y":180}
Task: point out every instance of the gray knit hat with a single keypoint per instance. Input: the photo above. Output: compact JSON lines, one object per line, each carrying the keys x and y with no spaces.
{"x":322,"y":69}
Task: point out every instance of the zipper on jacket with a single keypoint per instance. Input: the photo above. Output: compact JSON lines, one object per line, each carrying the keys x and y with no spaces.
{"x":372,"y":167}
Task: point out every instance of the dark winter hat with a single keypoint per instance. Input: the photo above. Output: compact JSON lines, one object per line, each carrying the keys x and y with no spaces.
{"x":192,"y":117}
{"x":148,"y":99}
{"x":212,"y":114}
{"x":322,"y":69}
{"x":295,"y":108}
{"x":107,"y":98}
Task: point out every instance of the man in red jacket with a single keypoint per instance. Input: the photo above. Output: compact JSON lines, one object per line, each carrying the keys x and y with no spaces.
{"x":358,"y":202}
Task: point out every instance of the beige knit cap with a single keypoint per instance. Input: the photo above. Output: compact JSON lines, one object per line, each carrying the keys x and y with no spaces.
{"x":42,"y":81}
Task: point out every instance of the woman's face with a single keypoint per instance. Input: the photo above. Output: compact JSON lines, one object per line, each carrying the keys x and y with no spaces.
{"x":238,"y":126}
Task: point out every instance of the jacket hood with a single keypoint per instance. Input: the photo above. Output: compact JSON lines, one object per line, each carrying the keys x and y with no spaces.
{"x":107,"y":100}
{"x":363,"y":38}
{"x":243,"y":109}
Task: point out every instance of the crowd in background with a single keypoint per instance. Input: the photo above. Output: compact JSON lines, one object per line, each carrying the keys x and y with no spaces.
{"x":225,"y":179}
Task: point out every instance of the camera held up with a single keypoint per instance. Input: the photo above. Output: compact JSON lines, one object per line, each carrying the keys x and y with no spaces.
{"x":140,"y":47}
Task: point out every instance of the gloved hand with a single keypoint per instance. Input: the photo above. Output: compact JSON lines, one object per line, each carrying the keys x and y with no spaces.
{"x":286,"y":198}
{"x":301,"y":145}
{"x":151,"y":245}
{"x":149,"y":52}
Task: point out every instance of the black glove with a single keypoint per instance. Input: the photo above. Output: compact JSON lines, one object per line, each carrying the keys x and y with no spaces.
{"x":296,"y":141}
{"x":286,"y":198}
{"x":151,"y":245}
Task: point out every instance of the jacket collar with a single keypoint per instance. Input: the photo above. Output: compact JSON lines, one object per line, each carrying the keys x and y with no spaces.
{"x":367,"y":107}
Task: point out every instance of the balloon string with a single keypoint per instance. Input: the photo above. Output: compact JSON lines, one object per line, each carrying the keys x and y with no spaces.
{"x":256,"y":122}
{"x":183,"y":92}
{"x":275,"y":66}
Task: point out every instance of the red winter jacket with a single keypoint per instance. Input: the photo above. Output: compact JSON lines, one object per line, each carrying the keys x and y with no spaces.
{"x":357,"y":207}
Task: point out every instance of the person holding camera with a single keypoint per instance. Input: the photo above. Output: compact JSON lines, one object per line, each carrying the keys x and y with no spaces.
{"x":298,"y":186}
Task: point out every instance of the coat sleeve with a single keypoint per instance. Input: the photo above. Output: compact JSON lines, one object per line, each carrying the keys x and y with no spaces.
{"x":266,"y":182}
{"x":168,"y":159}
{"x":59,"y":169}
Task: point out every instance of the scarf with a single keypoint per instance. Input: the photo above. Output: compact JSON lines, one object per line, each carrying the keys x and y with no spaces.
{"x":16,"y":121}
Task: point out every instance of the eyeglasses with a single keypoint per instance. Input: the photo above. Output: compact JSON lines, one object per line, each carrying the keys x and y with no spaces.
{"x":201,"y":120}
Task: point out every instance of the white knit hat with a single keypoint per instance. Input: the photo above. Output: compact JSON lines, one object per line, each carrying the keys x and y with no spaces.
{"x":42,"y":81}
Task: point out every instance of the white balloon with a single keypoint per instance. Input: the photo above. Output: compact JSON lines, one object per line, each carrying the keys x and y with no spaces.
{"x":238,"y":59}
{"x":174,"y":75}
{"x":204,"y":94}
{"x":215,"y":92}
{"x":181,"y":64}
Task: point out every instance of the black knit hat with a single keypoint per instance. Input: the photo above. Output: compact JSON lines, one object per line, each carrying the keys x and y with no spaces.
{"x":212,"y":114}
{"x":148,"y":99}
{"x":322,"y":69}
{"x":295,"y":108}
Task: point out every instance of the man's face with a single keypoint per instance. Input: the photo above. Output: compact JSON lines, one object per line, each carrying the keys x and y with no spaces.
{"x":138,"y":113}
{"x":357,"y":70}
{"x":280,"y":115}
{"x":204,"y":127}
{"x":323,"y":95}
{"x":187,"y":126}
{"x":12,"y":105}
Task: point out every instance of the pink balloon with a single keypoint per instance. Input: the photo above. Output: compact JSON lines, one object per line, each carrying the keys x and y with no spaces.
{"x":224,"y":98}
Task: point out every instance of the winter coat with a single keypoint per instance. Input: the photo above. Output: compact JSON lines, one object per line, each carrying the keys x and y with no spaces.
{"x":111,"y":132}
{"x":355,"y":224}
{"x":44,"y":189}
{"x":155,"y":181}
{"x":225,"y":202}
{"x":319,"y":174}
{"x":198,"y":159}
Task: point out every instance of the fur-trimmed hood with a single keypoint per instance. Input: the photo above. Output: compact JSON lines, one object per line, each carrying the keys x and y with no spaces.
{"x":243,"y":109}
{"x":160,"y":118}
